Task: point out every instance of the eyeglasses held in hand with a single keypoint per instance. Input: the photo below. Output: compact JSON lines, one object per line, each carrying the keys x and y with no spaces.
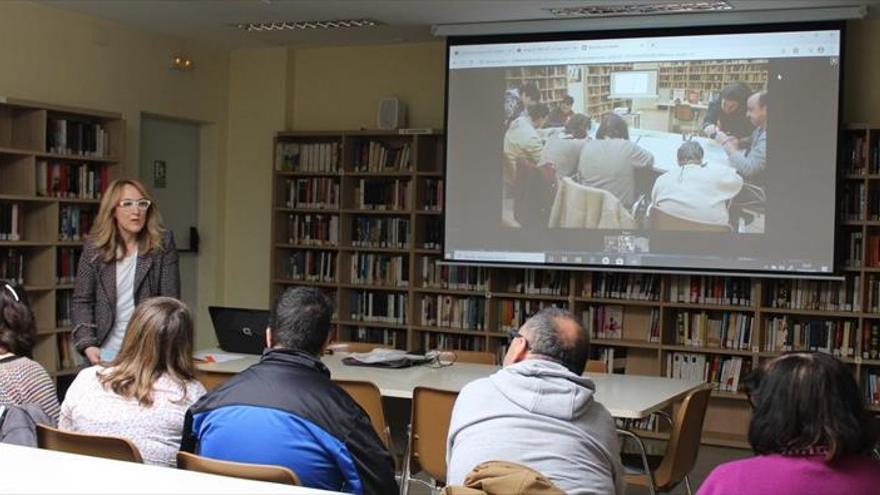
{"x":140,"y":204}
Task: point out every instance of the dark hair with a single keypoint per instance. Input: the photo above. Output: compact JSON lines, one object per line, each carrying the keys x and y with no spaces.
{"x":300,"y":319}
{"x":577,"y":126}
{"x":546,"y":339}
{"x":530,"y":90}
{"x":690,"y":152}
{"x":568,"y":100}
{"x":806,"y":401}
{"x":17,"y":329}
{"x":738,"y":92}
{"x":538,"y":111}
{"x":612,"y":126}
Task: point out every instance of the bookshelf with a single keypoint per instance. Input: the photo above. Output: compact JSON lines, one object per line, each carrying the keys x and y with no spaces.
{"x":552,"y":81}
{"x":55,"y":161}
{"x":664,"y":322}
{"x":707,"y":78}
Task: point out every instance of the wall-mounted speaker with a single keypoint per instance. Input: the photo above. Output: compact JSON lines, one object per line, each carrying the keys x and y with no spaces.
{"x":391,"y":115}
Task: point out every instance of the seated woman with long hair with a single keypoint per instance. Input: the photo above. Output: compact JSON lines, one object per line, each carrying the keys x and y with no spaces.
{"x":810,"y":431}
{"x":144,"y":393}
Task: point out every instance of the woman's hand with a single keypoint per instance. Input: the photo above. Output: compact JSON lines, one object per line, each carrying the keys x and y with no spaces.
{"x":93,"y":354}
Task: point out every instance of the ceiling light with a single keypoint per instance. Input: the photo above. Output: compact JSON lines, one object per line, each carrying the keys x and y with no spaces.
{"x":307,"y":25}
{"x":640,"y":9}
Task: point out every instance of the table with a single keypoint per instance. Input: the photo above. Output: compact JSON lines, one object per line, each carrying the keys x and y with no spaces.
{"x":31,"y":470}
{"x":664,"y":146}
{"x":625,"y":396}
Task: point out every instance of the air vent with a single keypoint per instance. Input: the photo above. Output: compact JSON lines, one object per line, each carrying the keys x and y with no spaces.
{"x":307,"y":25}
{"x":640,"y":9}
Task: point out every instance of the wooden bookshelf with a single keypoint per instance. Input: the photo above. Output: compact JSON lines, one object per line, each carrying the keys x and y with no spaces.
{"x":32,"y":172}
{"x":707,"y":78}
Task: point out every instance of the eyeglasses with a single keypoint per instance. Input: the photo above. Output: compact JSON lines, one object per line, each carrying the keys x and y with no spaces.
{"x":140,"y":204}
{"x":513,"y":335}
{"x":441,"y":359}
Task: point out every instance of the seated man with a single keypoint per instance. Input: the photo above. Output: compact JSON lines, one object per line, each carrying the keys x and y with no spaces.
{"x":727,"y":113}
{"x":539,"y":411}
{"x":750,"y":163}
{"x":286,"y":411}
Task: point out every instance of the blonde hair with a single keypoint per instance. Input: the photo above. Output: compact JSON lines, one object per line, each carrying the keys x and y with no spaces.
{"x":105,"y":233}
{"x":158,"y":341}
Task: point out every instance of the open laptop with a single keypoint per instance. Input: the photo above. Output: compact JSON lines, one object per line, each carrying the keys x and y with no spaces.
{"x":240,"y":330}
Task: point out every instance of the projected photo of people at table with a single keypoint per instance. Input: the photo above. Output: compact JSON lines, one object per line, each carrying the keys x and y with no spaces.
{"x":652,"y":146}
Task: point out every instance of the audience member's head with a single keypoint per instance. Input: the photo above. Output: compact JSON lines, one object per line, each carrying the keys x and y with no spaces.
{"x":807,"y":403}
{"x":554,"y":335}
{"x":566,"y":104}
{"x":158,"y":341}
{"x":577,"y":126}
{"x":529,"y":94}
{"x":733,"y":97}
{"x":612,"y":126}
{"x":757,"y":111}
{"x":690,"y":153}
{"x":538,"y":114}
{"x":17,"y":328}
{"x":300,"y":321}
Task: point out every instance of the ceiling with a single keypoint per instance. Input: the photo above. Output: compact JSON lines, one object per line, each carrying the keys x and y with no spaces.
{"x":211,"y":21}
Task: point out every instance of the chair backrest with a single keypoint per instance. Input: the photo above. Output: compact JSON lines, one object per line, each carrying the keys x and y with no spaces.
{"x":256,"y":472}
{"x":116,"y":448}
{"x":684,"y":441}
{"x":355,"y":346}
{"x":476,"y":357}
{"x":684,"y":112}
{"x":660,"y":220}
{"x":368,"y":396}
{"x":431,"y":414}
{"x":595,"y":366}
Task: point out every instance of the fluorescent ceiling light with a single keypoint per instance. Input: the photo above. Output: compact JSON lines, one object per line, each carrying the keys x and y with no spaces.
{"x":639,"y":9}
{"x":307,"y":25}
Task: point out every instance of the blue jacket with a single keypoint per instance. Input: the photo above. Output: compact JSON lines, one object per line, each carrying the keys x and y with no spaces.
{"x":286,"y":411}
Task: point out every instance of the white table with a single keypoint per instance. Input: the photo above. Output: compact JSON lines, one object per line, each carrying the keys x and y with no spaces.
{"x":30,"y":470}
{"x":664,"y":146}
{"x":625,"y":396}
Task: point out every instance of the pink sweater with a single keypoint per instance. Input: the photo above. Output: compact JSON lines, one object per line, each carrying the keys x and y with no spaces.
{"x":782,"y":475}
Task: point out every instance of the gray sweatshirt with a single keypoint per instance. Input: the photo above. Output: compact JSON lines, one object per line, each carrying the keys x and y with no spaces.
{"x":539,"y":414}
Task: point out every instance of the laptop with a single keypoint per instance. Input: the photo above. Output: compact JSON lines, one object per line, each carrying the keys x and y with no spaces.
{"x":240,"y":330}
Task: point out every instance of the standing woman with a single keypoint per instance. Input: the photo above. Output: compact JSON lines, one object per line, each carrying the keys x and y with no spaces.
{"x":128,"y":257}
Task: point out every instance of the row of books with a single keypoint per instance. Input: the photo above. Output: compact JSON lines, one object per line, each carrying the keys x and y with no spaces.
{"x":862,"y":156}
{"x":433,"y":199}
{"x":644,"y":287}
{"x":606,"y":322}
{"x":873,"y":249}
{"x":63,"y":308}
{"x":433,"y":233}
{"x":72,"y":137}
{"x":784,"y":333}
{"x":375,"y":156}
{"x":436,"y":276}
{"x":314,"y":192}
{"x":513,"y":313}
{"x":814,"y":294}
{"x":10,"y":222}
{"x":852,"y":201}
{"x":385,"y":336}
{"x":380,"y":269}
{"x":65,"y":356}
{"x":71,"y":180}
{"x":724,"y":372}
{"x":373,"y":194}
{"x":729,"y":330}
{"x":871,"y":340}
{"x":307,"y":157}
{"x":311,"y":266}
{"x":467,"y":313}
{"x":12,"y":265}
{"x":614,"y":359}
{"x":702,"y":289}
{"x":75,"y":222}
{"x":66,"y":264}
{"x":538,"y":282}
{"x":381,"y":232}
{"x":313,"y":229}
{"x":431,"y":340}
{"x":872,"y":387}
{"x":852,"y":251}
{"x":378,"y":306}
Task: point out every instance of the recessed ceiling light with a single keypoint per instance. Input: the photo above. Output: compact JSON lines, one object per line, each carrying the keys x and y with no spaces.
{"x":307,"y":25}
{"x":640,"y":9}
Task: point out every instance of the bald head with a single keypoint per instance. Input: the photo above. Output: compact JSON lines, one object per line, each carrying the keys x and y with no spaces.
{"x":556,"y":335}
{"x":757,"y":109}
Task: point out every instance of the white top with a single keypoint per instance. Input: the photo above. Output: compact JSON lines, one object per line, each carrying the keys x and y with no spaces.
{"x":625,"y":396}
{"x":156,"y":430}
{"x":31,"y":471}
{"x":125,"y":269}
{"x":697,"y":193}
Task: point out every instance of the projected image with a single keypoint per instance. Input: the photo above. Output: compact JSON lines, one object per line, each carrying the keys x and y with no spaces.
{"x":676,"y":146}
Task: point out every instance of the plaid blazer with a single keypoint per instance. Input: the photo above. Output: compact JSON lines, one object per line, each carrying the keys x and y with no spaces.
{"x":94,"y":295}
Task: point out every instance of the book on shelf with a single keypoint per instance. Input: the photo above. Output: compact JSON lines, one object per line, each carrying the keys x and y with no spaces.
{"x":539,"y":282}
{"x":436,"y":276}
{"x":313,"y":229}
{"x":606,"y":322}
{"x":638,"y":286}
{"x":703,"y":289}
{"x":852,"y":250}
{"x":871,"y":340}
{"x":816,"y":295}
{"x":378,"y":307}
{"x":723,"y":372}
{"x":310,"y":266}
{"x":12,"y":265}
{"x":66,"y":264}
{"x":447,"y":311}
{"x":380,"y":232}
{"x":872,"y":247}
{"x":71,"y":180}
{"x":613,"y":358}
{"x":65,"y":356}
{"x":307,"y":157}
{"x":784,"y":333}
{"x":75,"y":222}
{"x":63,"y":307}
{"x":433,"y":233}
{"x":312,"y":192}
{"x":856,"y":152}
{"x":513,"y":313}
{"x":852,"y":201}
{"x":376,"y":156}
{"x":380,"y":269}
{"x":11,"y":222}
{"x":727,"y":330}
{"x":73,"y":137}
{"x":872,"y":387}
{"x":385,"y":336}
{"x":433,"y":200}
{"x":372,"y":194}
{"x":446,"y":341}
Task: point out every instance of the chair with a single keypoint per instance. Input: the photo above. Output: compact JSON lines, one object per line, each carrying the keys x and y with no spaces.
{"x":595,"y":366}
{"x":683,"y":113}
{"x":368,"y":396}
{"x":428,"y":429}
{"x":256,"y":472}
{"x":580,"y":206}
{"x":475,"y":357}
{"x":355,"y":346}
{"x":660,"y":220}
{"x":664,"y":473}
{"x":116,"y":448}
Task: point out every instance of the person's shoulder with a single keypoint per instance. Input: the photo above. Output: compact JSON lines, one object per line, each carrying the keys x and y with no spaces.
{"x":477,"y":387}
